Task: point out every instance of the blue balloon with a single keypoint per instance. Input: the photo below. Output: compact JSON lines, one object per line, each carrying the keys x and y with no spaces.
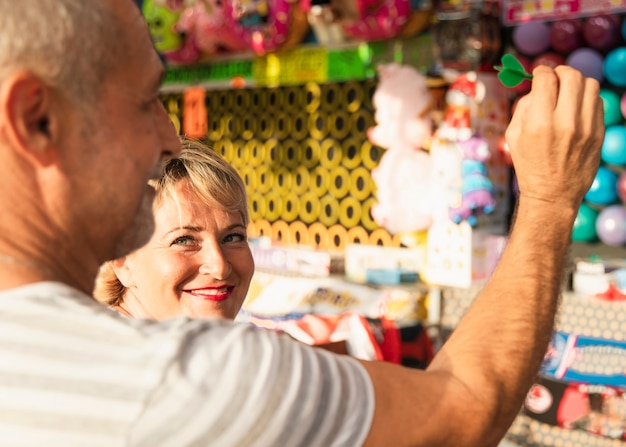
{"x":612,"y":111}
{"x":615,"y":67}
{"x":614,"y":145}
{"x":603,"y":190}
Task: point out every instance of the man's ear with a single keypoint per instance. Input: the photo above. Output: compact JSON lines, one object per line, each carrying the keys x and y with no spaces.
{"x":27,"y":118}
{"x":121,"y":267}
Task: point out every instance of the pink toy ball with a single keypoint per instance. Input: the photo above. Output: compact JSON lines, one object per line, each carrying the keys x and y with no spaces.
{"x":588,"y":61}
{"x":611,"y":225}
{"x":622,"y":105}
{"x":615,"y":67}
{"x":532,"y":38}
{"x":612,"y":107}
{"x":603,"y":190}
{"x":566,"y":35}
{"x":621,"y":187}
{"x":614,"y":145}
{"x":602,"y":32}
{"x":550,"y":59}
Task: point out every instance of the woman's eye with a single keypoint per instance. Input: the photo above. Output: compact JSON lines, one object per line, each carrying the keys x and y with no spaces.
{"x":183,"y":240}
{"x":235,"y":237}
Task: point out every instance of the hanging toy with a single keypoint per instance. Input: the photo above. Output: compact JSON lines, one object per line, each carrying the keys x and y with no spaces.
{"x":266,"y":26}
{"x":464,"y":95}
{"x":476,"y":188}
{"x":379,"y":19}
{"x":403,"y":127}
{"x":326,"y":18}
{"x":162,"y":17}
{"x":206,"y":22}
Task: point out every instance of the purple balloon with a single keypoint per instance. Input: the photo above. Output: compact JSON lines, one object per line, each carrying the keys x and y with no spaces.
{"x":602,"y":32}
{"x":611,"y":225}
{"x":588,"y":61}
{"x":566,"y":35}
{"x":532,"y":38}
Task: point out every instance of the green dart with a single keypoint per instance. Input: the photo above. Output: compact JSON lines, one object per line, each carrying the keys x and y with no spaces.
{"x":512,"y":72}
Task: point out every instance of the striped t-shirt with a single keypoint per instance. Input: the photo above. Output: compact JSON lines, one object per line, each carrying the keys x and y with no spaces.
{"x":74,"y":373}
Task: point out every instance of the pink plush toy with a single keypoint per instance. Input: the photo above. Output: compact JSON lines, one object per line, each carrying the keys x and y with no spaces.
{"x":206,"y":22}
{"x":379,"y":19}
{"x":403,"y":126}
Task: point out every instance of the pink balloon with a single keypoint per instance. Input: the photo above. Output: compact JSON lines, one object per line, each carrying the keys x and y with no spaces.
{"x":621,"y":187}
{"x":524,"y":87}
{"x":550,"y":59}
{"x":566,"y":35}
{"x":602,"y":32}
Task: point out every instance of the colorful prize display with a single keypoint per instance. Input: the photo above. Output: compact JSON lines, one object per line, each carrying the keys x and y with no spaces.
{"x":596,"y":46}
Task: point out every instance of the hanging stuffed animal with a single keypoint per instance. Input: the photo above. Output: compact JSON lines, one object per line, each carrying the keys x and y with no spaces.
{"x":205,"y":22}
{"x":403,"y":127}
{"x":162,"y":17}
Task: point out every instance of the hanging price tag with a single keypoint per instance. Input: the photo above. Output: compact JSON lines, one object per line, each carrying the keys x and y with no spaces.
{"x":195,"y":119}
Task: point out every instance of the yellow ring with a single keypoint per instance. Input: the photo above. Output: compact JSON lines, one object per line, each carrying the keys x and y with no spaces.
{"x":331,"y":97}
{"x":225,"y":149}
{"x":329,"y":210}
{"x":172,"y":104}
{"x":241,"y":153}
{"x":258,"y":99}
{"x":292,"y":98}
{"x":291,"y":207}
{"x":370,"y":155}
{"x":273,"y":206}
{"x":339,"y":182}
{"x":309,"y":208}
{"x":175,"y":121}
{"x":282,"y":181}
{"x":241,"y":100}
{"x":248,"y":126}
{"x":252,"y":231}
{"x":282,"y":125}
{"x":366,"y":215}
{"x":230,"y":126}
{"x":257,"y":206}
{"x":318,"y":235}
{"x":265,"y":179}
{"x":215,"y":127}
{"x":339,"y":124}
{"x":264,"y":126}
{"x":274,"y":99}
{"x":361,"y":183}
{"x":292,"y":153}
{"x":301,"y":180}
{"x":313,"y":94}
{"x":299,"y":233}
{"x":311,"y":153}
{"x":249,"y":177}
{"x":337,"y":237}
{"x":225,"y":100}
{"x":344,"y":212}
{"x":318,"y":125}
{"x":319,"y":181}
{"x":352,"y":96}
{"x":330,"y":154}
{"x":380,"y":236}
{"x":273,"y":152}
{"x":255,"y":151}
{"x":396,"y":240}
{"x":280,"y":232}
{"x":351,"y":152}
{"x":358,"y":235}
{"x":360,"y":121}
{"x":299,"y":125}
{"x":264,"y":228}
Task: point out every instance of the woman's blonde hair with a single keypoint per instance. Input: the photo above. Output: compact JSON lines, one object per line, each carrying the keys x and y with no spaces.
{"x":209,"y":176}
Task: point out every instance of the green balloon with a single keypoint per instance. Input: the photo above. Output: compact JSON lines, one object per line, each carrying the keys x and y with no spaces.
{"x":612,"y":110}
{"x":585,"y":224}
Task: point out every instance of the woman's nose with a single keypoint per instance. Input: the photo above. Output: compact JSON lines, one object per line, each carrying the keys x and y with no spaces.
{"x":215,"y":263}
